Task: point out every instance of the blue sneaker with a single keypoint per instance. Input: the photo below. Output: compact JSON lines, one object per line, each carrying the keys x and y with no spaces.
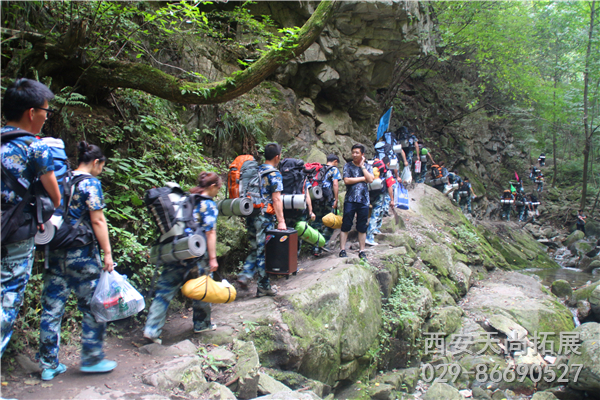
{"x":102,"y":366}
{"x":49,"y":373}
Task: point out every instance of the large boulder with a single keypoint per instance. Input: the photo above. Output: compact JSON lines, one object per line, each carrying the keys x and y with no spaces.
{"x":246,"y":370}
{"x":561,"y":288}
{"x":592,"y":228}
{"x":594,"y":300}
{"x":581,"y":247}
{"x":186,"y":371}
{"x":589,"y":358}
{"x":442,"y":391}
{"x":573,"y":237}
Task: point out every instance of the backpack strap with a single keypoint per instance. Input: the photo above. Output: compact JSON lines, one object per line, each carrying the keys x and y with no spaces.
{"x":15,"y":133}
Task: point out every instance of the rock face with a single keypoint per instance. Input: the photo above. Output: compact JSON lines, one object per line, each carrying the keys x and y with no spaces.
{"x":589,"y":377}
{"x":561,"y":288}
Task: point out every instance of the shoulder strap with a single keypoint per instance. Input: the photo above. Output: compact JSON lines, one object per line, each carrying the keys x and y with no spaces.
{"x":13,"y":184}
{"x":7,"y":136}
{"x":70,"y":190}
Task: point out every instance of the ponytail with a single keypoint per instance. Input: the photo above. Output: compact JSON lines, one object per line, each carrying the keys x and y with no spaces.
{"x":206,"y":179}
{"x":89,"y":153}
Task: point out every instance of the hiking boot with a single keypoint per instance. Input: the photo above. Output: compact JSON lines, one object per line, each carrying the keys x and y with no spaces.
{"x":343,"y":254}
{"x":371,"y":243}
{"x":362,"y":255}
{"x":243,"y":281}
{"x":49,"y":373}
{"x":102,"y":366}
{"x":317,"y":252}
{"x":199,"y":328}
{"x":260,"y":292}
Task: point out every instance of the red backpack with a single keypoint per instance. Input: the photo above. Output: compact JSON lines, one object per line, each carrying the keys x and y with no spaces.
{"x":316,"y":172}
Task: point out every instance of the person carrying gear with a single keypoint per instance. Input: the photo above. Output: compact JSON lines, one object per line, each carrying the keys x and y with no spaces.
{"x":378,"y":197}
{"x":542,"y":160}
{"x":540,"y":182}
{"x":26,"y":159}
{"x":532,"y":206}
{"x":425,"y":155}
{"x":466,"y":192}
{"x":410,"y":144}
{"x":272,"y":212}
{"x":533,"y":173}
{"x":507,"y":201}
{"x":454,"y":181}
{"x":520,"y":205}
{"x":581,"y":221}
{"x":78,"y":269}
{"x":357,"y":174}
{"x":173,"y":276}
{"x":323,"y":207}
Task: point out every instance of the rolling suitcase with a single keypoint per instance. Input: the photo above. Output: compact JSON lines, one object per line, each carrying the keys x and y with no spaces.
{"x":281,"y":252}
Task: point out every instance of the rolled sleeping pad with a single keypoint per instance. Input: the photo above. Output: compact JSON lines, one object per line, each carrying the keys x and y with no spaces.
{"x":332,"y":221}
{"x":463,"y":194}
{"x":536,"y":203}
{"x":45,"y":237}
{"x":519,"y":203}
{"x":377,"y":184}
{"x":315,"y":192}
{"x":294,"y":201}
{"x":394,"y":164}
{"x":241,"y":207}
{"x":192,"y":246}
{"x":310,"y":234}
{"x":507,"y":201}
{"x":455,"y":186}
{"x":397,"y":148}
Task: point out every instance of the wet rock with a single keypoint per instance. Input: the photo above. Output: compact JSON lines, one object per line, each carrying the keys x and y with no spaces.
{"x":544,"y":396}
{"x":565,"y":393}
{"x":561,"y":288}
{"x":581,"y":248}
{"x":268,"y":385}
{"x":594,"y":300}
{"x":442,"y":391}
{"x":583,"y":309}
{"x":589,"y":267}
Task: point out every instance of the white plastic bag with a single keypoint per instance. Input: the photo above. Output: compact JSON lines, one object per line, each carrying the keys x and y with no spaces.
{"x":115,"y":298}
{"x":406,"y":176}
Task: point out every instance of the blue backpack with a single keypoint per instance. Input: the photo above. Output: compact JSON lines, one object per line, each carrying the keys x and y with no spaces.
{"x":62,"y":169}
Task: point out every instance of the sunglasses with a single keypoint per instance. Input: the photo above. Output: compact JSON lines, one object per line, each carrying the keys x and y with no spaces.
{"x":48,"y":110}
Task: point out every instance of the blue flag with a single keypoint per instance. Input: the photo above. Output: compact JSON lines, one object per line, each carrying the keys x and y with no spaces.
{"x":384,"y":123}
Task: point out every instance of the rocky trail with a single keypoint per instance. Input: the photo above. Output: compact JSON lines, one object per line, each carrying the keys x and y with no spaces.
{"x":326,"y":323}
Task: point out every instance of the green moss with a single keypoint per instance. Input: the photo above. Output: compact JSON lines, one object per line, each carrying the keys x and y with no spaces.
{"x":585,"y":292}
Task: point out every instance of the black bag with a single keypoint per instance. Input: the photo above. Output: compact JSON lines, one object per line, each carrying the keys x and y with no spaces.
{"x":292,"y":172}
{"x":316,"y":176}
{"x":71,"y":236}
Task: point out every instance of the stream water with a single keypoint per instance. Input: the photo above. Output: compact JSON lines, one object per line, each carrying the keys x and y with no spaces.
{"x":574,"y":276}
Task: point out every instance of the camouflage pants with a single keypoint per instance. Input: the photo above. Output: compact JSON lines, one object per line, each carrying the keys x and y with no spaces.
{"x":17,"y":259}
{"x":506,"y":212}
{"x":465,"y":201}
{"x":321,"y":209}
{"x":376,"y":217}
{"x":521,"y":213}
{"x":421,"y":176}
{"x":172,"y":278}
{"x":78,"y":270}
{"x":255,"y":262}
{"x":540,"y":187}
{"x":386,"y":206}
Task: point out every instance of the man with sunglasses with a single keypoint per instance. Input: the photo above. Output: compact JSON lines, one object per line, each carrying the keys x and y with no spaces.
{"x":25,"y":159}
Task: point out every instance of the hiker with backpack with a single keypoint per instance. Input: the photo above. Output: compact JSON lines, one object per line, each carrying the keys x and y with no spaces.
{"x":465,"y":193}
{"x":410,"y":144}
{"x":328,"y":177}
{"x":454,"y":181}
{"x":581,"y":221}
{"x":540,"y":182}
{"x":174,"y":275}
{"x":25,"y":161}
{"x":542,"y":160}
{"x":380,"y":170}
{"x":520,"y":206}
{"x":425,"y":155}
{"x":295,"y":183}
{"x":271,"y":216}
{"x":357,"y":174}
{"x":507,"y":201}
{"x":78,"y":269}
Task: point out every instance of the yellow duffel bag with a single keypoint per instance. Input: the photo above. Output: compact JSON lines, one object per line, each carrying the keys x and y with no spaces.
{"x":332,"y":221}
{"x":207,"y":290}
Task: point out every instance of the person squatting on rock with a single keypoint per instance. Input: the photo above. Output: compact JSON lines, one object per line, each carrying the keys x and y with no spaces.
{"x":506,"y":206}
{"x":173,"y":276}
{"x":466,"y":193}
{"x":581,"y":221}
{"x":27,"y":159}
{"x":78,"y":269}
{"x":329,"y":202}
{"x":272,"y":186}
{"x":356,"y":177}
{"x":378,"y":199}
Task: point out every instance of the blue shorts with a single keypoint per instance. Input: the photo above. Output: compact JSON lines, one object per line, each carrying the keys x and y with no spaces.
{"x":362,"y":216}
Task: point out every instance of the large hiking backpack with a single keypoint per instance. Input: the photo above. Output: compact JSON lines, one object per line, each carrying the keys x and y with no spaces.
{"x":436,"y":171}
{"x":293,"y":175}
{"x":316,"y":173}
{"x":464,"y":190}
{"x":234,"y":175}
{"x":62,"y":169}
{"x":16,"y":225}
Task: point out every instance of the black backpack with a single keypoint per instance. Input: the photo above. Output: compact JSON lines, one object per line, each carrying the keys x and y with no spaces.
{"x":316,"y":175}
{"x":293,"y":174}
{"x":17,"y":226}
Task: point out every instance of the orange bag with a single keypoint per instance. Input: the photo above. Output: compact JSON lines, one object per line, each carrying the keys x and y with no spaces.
{"x":233,"y":177}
